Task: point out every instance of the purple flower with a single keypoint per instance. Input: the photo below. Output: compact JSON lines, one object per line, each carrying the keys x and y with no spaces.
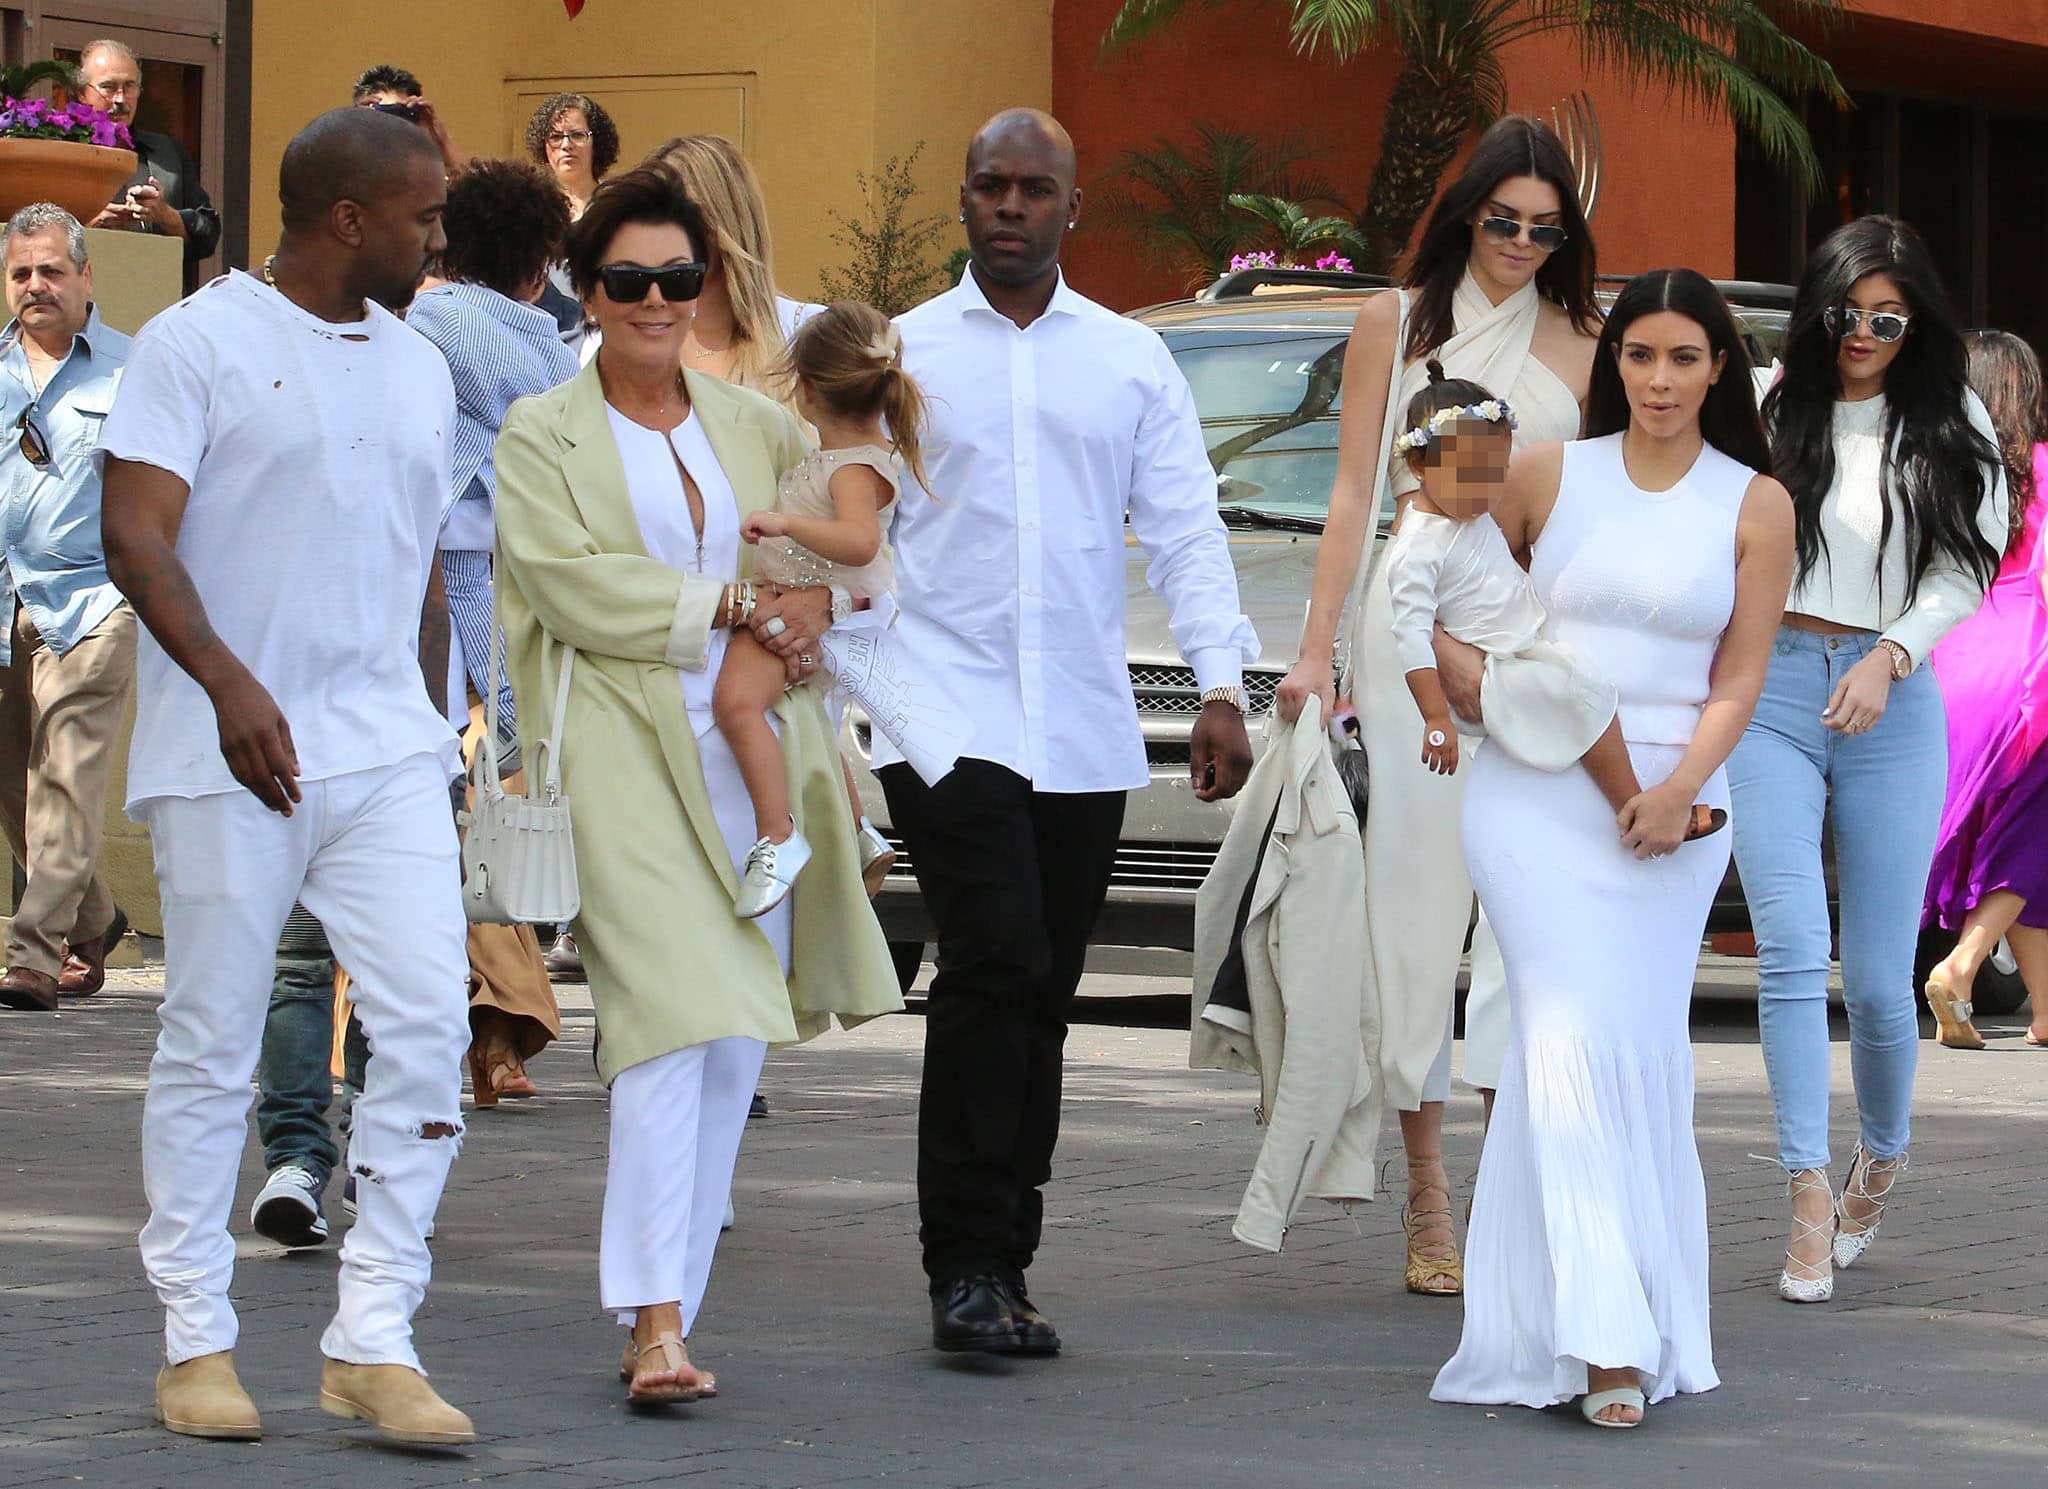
{"x":106,"y":132}
{"x":1336,"y":261}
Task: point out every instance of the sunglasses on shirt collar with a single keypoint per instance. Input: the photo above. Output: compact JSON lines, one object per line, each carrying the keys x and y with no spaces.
{"x":627,"y":284}
{"x":1546,"y":236}
{"x":34,"y":448}
{"x":1886,"y":326}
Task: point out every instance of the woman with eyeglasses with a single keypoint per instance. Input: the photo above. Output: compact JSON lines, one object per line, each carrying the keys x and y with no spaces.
{"x":1990,"y":877}
{"x":620,"y":500}
{"x":1501,"y":293}
{"x":573,"y":138}
{"x":1900,"y":500}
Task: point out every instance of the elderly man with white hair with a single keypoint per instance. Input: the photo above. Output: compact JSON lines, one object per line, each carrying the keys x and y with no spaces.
{"x":164,"y":195}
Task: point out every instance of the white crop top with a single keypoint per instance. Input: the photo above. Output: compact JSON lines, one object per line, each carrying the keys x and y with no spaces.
{"x":1849,"y":586}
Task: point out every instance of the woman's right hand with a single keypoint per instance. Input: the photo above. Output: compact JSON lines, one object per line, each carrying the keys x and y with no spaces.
{"x":1311,"y":677}
{"x":1460,"y":668}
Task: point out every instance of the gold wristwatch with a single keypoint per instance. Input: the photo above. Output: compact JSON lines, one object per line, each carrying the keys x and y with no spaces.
{"x":1234,"y":696}
{"x":1902,"y":660}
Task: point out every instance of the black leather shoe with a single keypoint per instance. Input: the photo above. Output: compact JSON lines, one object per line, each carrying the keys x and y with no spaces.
{"x":1035,"y":1333}
{"x":971,"y":1315}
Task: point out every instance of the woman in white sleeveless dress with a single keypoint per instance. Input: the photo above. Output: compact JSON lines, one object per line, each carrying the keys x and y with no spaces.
{"x":1496,"y":296}
{"x":1663,"y":559}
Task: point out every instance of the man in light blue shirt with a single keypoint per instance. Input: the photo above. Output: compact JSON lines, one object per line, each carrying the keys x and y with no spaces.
{"x":67,"y":648}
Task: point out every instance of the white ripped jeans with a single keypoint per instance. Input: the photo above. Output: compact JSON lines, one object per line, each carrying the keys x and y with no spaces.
{"x":373,"y":855}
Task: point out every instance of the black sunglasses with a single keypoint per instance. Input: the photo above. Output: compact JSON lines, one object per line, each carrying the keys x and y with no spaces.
{"x":1546,"y":236}
{"x":34,"y":448}
{"x":1886,"y":326}
{"x":627,"y":284}
{"x":409,"y":112}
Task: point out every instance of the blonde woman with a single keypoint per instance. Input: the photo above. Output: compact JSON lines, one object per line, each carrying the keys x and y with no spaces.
{"x":743,"y":322}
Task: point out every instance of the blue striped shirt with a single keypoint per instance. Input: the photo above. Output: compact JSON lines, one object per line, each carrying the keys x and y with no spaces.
{"x":498,"y":352}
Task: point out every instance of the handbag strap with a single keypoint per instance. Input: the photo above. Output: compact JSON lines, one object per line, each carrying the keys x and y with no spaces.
{"x":549,"y":768}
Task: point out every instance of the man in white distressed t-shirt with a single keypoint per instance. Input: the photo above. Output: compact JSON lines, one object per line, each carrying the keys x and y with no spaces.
{"x":276,"y":467}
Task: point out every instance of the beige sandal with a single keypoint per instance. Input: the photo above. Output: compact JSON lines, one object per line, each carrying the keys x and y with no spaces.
{"x":1952,"y":1014}
{"x":675,"y":1360}
{"x":1434,"y":1268}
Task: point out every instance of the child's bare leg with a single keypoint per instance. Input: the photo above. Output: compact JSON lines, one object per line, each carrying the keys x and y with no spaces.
{"x":852,"y":791}
{"x":748,"y":684}
{"x":1607,"y":762}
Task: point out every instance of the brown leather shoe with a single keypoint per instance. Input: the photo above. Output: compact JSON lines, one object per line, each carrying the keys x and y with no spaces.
{"x":203,"y":1398}
{"x":85,"y":967}
{"x":28,"y":989}
{"x":396,"y":1400}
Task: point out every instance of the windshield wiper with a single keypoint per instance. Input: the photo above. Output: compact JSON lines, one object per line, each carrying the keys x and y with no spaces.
{"x":1261,"y":519}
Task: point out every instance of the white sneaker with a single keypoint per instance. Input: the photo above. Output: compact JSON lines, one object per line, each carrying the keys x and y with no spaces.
{"x":287,"y":1208}
{"x":771,"y":873}
{"x":877,"y":858}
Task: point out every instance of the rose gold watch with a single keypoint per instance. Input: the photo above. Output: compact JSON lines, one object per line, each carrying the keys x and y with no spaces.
{"x":1902,"y":660}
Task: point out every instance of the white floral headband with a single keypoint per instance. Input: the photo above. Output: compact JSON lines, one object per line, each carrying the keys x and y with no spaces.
{"x":1422,"y":436}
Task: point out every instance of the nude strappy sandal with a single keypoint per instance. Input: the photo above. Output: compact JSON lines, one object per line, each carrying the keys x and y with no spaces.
{"x":1705,"y":821}
{"x":1595,"y":1402}
{"x":675,"y":1359}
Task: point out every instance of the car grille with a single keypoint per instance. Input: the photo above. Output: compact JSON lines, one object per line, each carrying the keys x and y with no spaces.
{"x":1164,"y":689}
{"x":1163,"y":868}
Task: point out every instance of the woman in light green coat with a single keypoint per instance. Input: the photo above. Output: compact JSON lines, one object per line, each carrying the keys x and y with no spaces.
{"x":620,"y":497}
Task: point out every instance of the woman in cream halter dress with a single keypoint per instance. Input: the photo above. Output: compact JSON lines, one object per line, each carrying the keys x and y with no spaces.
{"x":1418,"y":899}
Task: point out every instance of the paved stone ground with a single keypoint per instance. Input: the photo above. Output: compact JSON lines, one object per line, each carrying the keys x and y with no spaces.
{"x":1190,"y":1359}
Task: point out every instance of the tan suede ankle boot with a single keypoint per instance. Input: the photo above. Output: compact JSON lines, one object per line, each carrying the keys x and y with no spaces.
{"x":203,"y":1398}
{"x":396,"y":1400}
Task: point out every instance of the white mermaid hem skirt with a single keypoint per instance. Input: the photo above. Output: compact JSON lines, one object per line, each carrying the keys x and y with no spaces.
{"x":1588,"y":1242}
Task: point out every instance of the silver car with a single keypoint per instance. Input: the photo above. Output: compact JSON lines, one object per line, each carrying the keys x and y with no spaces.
{"x":1264,"y":353}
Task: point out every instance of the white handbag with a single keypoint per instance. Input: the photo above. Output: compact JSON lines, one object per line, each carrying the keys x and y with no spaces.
{"x":518,"y":857}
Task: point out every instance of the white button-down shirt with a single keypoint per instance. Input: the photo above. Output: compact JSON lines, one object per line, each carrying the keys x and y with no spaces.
{"x":1011,"y":570}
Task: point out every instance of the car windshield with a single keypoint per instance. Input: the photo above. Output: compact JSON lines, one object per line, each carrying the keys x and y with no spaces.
{"x":1269,"y":401}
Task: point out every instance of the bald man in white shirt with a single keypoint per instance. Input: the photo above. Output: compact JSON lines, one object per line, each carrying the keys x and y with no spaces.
{"x":1053,"y":419}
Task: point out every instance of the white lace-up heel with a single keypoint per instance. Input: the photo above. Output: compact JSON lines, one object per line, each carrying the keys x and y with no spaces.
{"x":772,"y":869}
{"x":1850,"y":1245}
{"x":1808,"y":1282}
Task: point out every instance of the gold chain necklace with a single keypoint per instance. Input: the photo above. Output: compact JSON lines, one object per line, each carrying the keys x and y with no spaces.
{"x":268,"y":277}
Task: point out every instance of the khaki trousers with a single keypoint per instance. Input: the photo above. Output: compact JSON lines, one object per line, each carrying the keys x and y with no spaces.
{"x":60,"y":718}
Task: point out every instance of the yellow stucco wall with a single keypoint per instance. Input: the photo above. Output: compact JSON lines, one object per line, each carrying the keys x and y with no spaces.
{"x":816,"y":90}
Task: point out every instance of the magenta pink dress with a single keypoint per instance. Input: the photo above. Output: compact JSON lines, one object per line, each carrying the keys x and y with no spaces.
{"x":1993,"y":670}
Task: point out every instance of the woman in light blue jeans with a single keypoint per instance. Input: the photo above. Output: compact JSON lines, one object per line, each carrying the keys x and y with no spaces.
{"x":1899,"y":505}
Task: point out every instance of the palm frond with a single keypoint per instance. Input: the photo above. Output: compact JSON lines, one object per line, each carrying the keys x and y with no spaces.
{"x":21,"y":79}
{"x":1343,"y":28}
{"x":1138,"y":19}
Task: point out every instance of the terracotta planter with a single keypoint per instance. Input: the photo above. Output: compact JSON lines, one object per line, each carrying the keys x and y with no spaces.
{"x":79,"y":178}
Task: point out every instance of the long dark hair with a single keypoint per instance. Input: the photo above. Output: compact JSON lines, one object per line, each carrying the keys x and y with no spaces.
{"x":1728,"y":419}
{"x":2007,"y":375}
{"x":1937,"y":465}
{"x":1515,"y":146}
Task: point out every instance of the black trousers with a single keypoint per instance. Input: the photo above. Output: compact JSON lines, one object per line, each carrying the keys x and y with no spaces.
{"x":1014,"y":879}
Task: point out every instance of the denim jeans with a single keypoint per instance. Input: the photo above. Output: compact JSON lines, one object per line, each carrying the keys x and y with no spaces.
{"x":294,"y":1085}
{"x":1883,"y":793}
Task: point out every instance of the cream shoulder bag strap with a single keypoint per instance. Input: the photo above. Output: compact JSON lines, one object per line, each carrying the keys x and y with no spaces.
{"x":1382,"y":489}
{"x":518,"y":858}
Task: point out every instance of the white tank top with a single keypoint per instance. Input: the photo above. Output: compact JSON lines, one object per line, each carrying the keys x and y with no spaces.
{"x":1641,"y":583}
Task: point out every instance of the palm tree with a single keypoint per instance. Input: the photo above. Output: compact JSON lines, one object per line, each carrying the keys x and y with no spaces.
{"x":1174,"y":203}
{"x":1296,"y":229}
{"x":1730,"y":56}
{"x":20,"y":79}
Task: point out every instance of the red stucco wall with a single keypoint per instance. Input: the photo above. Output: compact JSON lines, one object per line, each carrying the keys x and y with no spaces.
{"x":1668,"y":195}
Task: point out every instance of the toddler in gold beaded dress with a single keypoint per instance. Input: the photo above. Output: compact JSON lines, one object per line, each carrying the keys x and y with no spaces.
{"x":846,"y":366}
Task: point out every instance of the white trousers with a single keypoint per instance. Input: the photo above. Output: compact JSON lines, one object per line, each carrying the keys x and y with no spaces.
{"x":373,"y":855}
{"x":677,"y":1121}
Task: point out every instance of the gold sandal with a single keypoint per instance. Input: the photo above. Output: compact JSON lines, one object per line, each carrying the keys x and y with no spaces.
{"x":675,"y":1360}
{"x":1430,"y":1264}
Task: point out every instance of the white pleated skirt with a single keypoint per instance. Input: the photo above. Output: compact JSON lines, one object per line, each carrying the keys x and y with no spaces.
{"x":1588,"y":1242}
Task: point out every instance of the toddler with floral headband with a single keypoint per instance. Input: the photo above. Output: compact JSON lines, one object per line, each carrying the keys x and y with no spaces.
{"x":1450,"y":564}
{"x":845,"y":364}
